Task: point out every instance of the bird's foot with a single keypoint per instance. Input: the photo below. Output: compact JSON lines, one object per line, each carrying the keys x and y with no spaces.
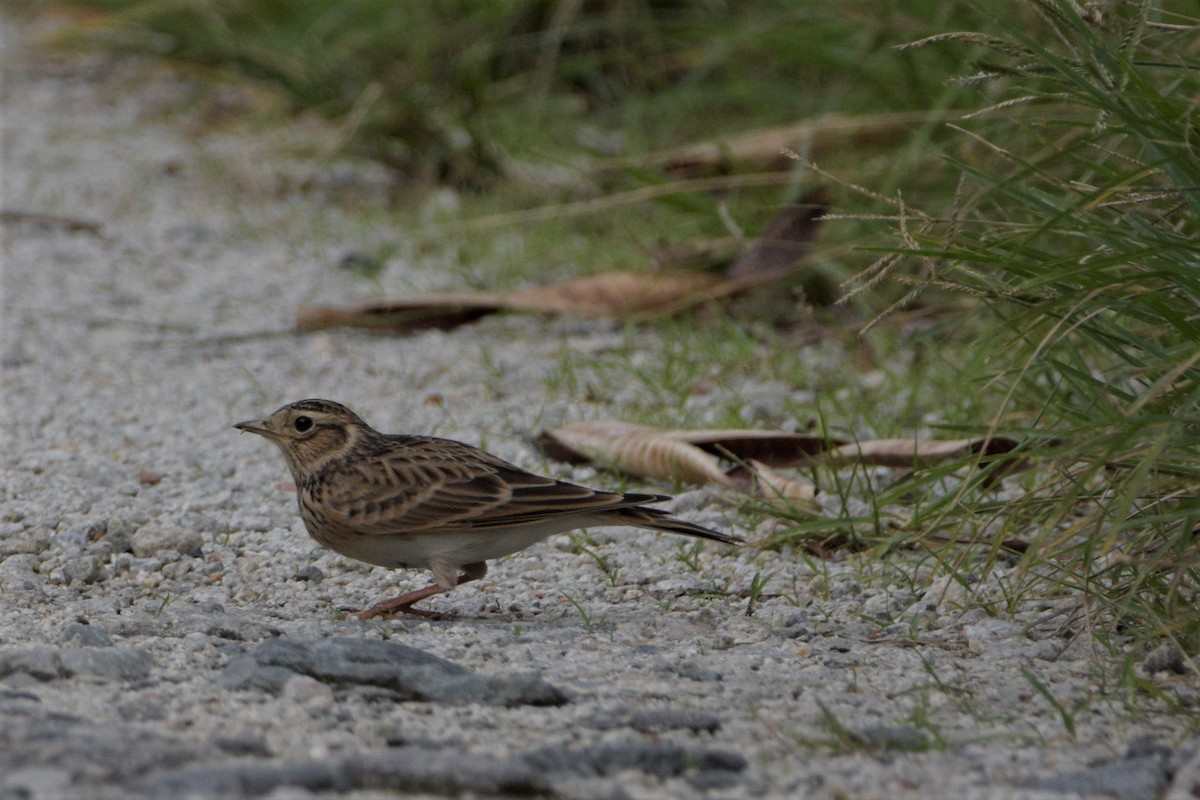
{"x":397,"y":606}
{"x":386,"y":610}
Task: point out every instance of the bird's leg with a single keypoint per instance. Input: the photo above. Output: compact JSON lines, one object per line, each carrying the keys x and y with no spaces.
{"x":403,"y":604}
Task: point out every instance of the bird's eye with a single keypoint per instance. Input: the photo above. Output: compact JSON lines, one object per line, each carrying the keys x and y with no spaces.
{"x":302,"y":424}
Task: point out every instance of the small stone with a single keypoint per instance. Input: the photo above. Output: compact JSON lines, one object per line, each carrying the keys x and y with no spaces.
{"x":14,"y":360}
{"x":83,"y":635}
{"x":20,"y":573}
{"x":660,"y":720}
{"x":309,"y":693}
{"x":696,"y":672}
{"x":148,"y":477}
{"x":1186,"y":783}
{"x":150,"y":539}
{"x":96,"y":530}
{"x":196,"y":641}
{"x":707,"y":780}
{"x":84,"y":569}
{"x":16,"y":703}
{"x":1165,"y":658}
{"x":74,"y":541}
{"x":310,"y":573}
{"x":25,"y":543}
{"x":243,"y":744}
{"x":142,"y":710}
{"x":115,"y":539}
{"x":202,"y":523}
{"x":37,"y":781}
{"x":1147,"y":745}
{"x":989,"y":629}
{"x":669,"y":719}
{"x":895,"y":737}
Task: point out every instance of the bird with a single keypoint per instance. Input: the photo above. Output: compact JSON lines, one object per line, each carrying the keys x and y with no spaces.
{"x":413,"y":501}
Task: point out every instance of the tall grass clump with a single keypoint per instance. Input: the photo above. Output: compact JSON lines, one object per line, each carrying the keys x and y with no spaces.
{"x":1076,"y":226}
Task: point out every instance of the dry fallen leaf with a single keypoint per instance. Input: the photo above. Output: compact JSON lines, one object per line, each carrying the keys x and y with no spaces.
{"x":610,"y":295}
{"x":693,"y":456}
{"x":424,"y":312}
{"x":633,"y":449}
{"x":786,"y":494}
{"x":616,"y":295}
{"x":765,"y":147}
{"x":773,"y":448}
{"x":786,"y":241}
{"x":917,"y":452}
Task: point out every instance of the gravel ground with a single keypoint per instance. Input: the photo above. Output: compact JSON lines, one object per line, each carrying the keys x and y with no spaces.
{"x":168,"y":626}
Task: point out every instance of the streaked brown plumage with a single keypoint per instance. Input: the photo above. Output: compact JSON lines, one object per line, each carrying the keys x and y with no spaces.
{"x":419,"y":501}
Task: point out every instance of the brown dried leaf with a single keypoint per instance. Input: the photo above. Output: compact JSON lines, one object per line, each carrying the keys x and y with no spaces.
{"x":616,"y":295}
{"x":70,"y":224}
{"x":634,"y":449}
{"x":917,"y":453}
{"x":785,"y":243}
{"x":609,"y":295}
{"x":759,"y":480}
{"x":773,"y":448}
{"x":696,"y":253}
{"x":692,"y":456}
{"x":767,"y":146}
{"x":613,"y":295}
{"x":424,"y":312}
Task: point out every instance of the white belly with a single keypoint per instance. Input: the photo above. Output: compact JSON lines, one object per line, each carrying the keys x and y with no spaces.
{"x":422,"y":549}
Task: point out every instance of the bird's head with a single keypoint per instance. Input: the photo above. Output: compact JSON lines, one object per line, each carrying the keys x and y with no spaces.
{"x":311,"y":433}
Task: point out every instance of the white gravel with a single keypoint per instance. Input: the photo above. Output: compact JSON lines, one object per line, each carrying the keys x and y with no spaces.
{"x":128,"y":502}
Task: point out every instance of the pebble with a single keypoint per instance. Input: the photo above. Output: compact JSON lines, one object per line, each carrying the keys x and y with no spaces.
{"x":1167,"y":657}
{"x":154,"y":538}
{"x":82,"y":635}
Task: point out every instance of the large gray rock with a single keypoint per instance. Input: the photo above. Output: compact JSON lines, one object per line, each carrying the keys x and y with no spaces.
{"x":408,"y":770}
{"x":1138,"y":778}
{"x":93,"y":755}
{"x":62,"y":663}
{"x":404,"y":672}
{"x":652,"y":758}
{"x":658,"y":720}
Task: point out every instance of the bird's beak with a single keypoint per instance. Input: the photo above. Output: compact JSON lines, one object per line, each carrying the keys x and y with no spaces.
{"x":258,"y":426}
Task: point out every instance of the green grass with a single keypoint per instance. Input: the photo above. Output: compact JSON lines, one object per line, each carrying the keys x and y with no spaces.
{"x":1076,"y":227}
{"x":1029,"y":270}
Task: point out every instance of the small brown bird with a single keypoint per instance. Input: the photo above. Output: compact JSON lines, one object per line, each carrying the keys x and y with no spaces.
{"x":419,"y":501}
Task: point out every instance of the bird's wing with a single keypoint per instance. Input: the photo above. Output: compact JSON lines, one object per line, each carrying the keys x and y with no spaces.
{"x":424,"y":483}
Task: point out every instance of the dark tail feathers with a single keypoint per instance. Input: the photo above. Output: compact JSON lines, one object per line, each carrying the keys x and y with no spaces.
{"x":659,"y":520}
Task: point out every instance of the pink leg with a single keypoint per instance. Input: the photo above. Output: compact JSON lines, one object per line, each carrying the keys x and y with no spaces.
{"x":403,"y":604}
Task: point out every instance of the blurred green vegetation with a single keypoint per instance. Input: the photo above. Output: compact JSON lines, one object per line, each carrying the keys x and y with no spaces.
{"x":451,"y":89}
